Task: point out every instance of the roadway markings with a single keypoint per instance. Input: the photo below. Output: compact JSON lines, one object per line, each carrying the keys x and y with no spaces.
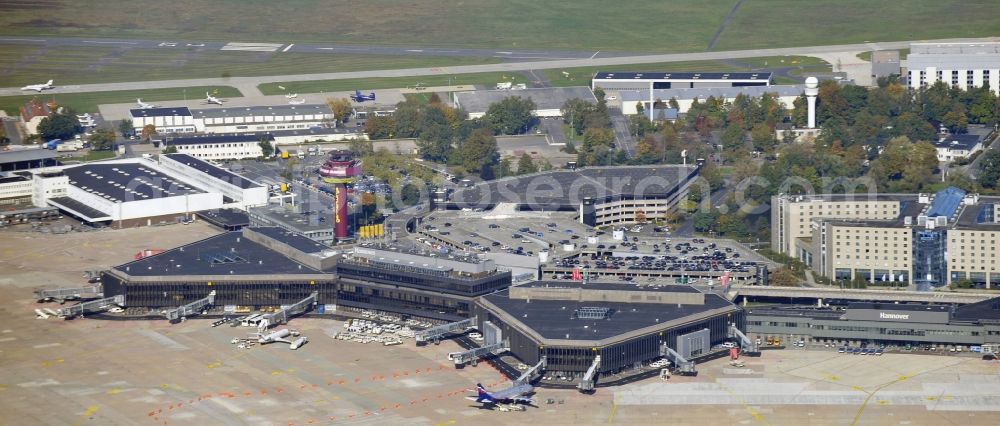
{"x":154,"y":414}
{"x":110,"y":42}
{"x":415,"y":50}
{"x":595,"y":54}
{"x":252,"y":47}
{"x":288,"y":47}
{"x":31,"y":40}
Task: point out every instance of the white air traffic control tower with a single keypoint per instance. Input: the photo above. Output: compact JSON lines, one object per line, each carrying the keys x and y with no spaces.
{"x":812,"y":84}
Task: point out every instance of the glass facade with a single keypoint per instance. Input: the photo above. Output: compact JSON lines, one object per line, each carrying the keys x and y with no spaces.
{"x":425,"y":279}
{"x":256,"y":294}
{"x":929,"y":264}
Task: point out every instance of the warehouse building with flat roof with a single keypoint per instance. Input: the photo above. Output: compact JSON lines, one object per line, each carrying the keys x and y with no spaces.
{"x":618,"y":80}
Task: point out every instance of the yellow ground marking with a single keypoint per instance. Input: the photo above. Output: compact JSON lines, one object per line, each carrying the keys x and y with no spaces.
{"x":114,"y":391}
{"x":91,"y":410}
{"x":753,"y":413}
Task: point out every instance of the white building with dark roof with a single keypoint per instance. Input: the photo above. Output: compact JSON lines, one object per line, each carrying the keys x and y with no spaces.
{"x":166,"y":120}
{"x":221,"y":147}
{"x":262,"y":118}
{"x":952,"y":147}
{"x":142,"y":192}
{"x":631,"y":99}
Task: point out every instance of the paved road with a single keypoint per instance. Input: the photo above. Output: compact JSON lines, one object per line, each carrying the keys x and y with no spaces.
{"x":248,"y":84}
{"x":972,"y":169}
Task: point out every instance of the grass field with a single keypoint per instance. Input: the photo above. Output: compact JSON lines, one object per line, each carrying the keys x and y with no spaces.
{"x":22,"y":65}
{"x":88,"y":102}
{"x":639,"y":25}
{"x":91,"y":156}
{"x":774,"y":23}
{"x":319,"y":86}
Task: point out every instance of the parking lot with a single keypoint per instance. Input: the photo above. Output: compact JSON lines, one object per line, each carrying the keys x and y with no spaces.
{"x":496,"y":232}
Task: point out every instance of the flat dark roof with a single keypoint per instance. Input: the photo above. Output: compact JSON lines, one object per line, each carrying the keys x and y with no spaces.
{"x":126,"y":182}
{"x":213,"y":171}
{"x":554,"y":319}
{"x":898,"y":307}
{"x":19,"y":155}
{"x":214,"y":139}
{"x":567,"y":188}
{"x":160,"y":112}
{"x":224,"y":254}
{"x":77,"y":207}
{"x":226,"y":217}
{"x":660,"y":75}
{"x":961,"y":141}
{"x":294,"y":239}
{"x":986,"y":310}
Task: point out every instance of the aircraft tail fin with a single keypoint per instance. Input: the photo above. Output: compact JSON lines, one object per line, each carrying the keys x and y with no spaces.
{"x":49,"y":83}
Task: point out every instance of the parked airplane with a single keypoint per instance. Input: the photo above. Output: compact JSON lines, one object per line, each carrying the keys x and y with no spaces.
{"x":209,"y":99}
{"x":277,"y":336}
{"x":359,"y":97}
{"x":39,"y":87}
{"x":292,"y":95}
{"x":296,"y":101}
{"x":143,"y":105}
{"x":40,"y":315}
{"x":516,"y":394}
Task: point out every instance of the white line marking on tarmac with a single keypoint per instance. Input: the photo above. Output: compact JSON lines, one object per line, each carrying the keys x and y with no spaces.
{"x":47,"y":345}
{"x":8,"y":339}
{"x":504,"y":53}
{"x":289,"y":47}
{"x":24,"y":39}
{"x":595,"y":54}
{"x":110,"y":42}
{"x":415,"y":50}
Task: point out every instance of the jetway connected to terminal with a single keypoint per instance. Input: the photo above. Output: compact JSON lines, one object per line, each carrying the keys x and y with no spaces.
{"x":532,"y":373}
{"x":587,"y":382}
{"x":684,"y":366}
{"x":192,"y":308}
{"x":749,"y":347}
{"x":437,"y":332}
{"x":473,"y":355}
{"x":61,"y":295}
{"x":91,"y":306}
{"x":281,"y":316}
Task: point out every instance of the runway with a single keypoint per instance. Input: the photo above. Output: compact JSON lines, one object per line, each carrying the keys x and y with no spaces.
{"x":315,"y":48}
{"x":248,"y":85}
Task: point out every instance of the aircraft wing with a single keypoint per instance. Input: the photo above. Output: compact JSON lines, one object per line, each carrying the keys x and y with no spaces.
{"x":516,"y":392}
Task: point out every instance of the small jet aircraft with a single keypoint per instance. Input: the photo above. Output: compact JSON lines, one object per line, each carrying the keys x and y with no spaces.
{"x":296,"y":101}
{"x":209,"y":99}
{"x":292,"y":95}
{"x":39,"y":87}
{"x":359,"y":97}
{"x":517,"y":394}
{"x":143,"y":105}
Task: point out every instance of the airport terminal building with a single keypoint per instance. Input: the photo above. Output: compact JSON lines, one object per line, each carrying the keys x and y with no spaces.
{"x":570,"y":323}
{"x":882,"y":323}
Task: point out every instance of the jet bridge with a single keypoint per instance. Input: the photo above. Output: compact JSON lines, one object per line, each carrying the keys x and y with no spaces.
{"x":532,"y":373}
{"x":192,"y":308}
{"x":61,"y":295}
{"x":684,"y":367}
{"x":749,"y":347}
{"x":473,"y":355}
{"x":92,"y":306}
{"x":437,"y":332}
{"x":281,"y":316}
{"x":587,"y":382}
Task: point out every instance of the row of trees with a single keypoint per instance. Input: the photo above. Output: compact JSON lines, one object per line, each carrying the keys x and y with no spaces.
{"x":591,"y":123}
{"x":445,"y":134}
